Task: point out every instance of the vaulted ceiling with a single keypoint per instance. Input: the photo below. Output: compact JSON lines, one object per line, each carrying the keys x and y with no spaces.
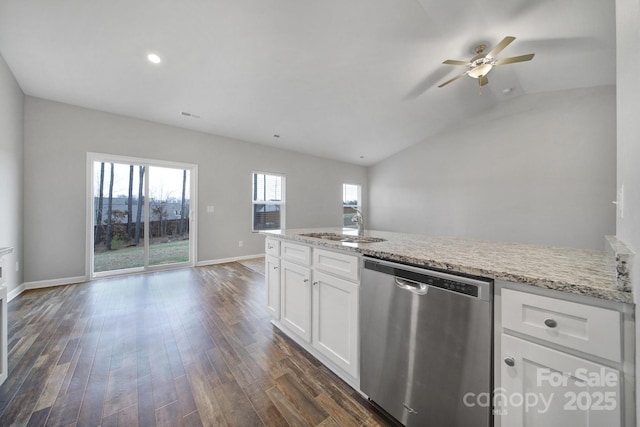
{"x":350,"y":80}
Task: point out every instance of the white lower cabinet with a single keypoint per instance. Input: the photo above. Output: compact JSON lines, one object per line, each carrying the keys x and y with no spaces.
{"x":545,"y":387}
{"x":272,"y":275}
{"x":335,"y":320}
{"x":295,"y":299}
{"x":562,"y":360}
{"x":312,"y":295}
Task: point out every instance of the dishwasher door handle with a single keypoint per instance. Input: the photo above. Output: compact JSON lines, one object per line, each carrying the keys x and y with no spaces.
{"x":411,"y":286}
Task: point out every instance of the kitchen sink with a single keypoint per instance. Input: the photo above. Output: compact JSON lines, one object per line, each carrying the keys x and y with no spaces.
{"x":346,"y":238}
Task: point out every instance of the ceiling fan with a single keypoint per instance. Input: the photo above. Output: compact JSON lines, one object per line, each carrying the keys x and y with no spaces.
{"x":480,"y":65}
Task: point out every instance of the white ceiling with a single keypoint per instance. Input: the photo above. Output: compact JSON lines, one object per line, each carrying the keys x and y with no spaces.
{"x":334,"y":78}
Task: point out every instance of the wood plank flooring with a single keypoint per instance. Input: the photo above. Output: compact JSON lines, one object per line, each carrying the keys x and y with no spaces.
{"x":186,"y":347}
{"x":255,"y":264}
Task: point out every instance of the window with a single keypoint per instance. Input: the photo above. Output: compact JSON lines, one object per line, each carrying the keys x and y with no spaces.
{"x":268,"y":201}
{"x":350,"y":199}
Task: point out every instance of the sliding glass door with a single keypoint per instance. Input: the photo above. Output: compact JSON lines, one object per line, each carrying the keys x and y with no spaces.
{"x":169,"y":198}
{"x":140,"y":215}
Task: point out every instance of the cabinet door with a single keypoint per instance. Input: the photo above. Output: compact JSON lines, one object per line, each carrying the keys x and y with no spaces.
{"x":545,"y":387}
{"x":295,"y":288}
{"x":272,"y":265}
{"x":335,"y":320}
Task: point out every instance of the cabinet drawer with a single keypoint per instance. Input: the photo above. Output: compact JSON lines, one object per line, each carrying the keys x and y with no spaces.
{"x":272,"y":247}
{"x":336,"y":263}
{"x":296,"y":252}
{"x":593,"y":330}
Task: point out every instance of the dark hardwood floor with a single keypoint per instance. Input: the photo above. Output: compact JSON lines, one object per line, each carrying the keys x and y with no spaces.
{"x":178,"y":348}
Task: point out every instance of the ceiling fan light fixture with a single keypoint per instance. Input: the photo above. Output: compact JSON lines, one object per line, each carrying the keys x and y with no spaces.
{"x":480,"y":71}
{"x":482,"y":63}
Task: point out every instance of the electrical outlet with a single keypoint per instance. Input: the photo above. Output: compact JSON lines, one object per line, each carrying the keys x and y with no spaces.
{"x":240,"y":243}
{"x":209,"y":209}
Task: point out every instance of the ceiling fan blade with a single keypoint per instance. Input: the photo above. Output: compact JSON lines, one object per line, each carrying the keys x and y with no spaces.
{"x":455,"y":62}
{"x":515,"y":59}
{"x":453,"y":79}
{"x":484,"y":80}
{"x":500,"y":46}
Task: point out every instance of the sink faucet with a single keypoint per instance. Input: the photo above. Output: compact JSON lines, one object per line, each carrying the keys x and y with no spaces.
{"x":359,"y":220}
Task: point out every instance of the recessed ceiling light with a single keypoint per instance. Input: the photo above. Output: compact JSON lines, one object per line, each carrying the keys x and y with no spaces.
{"x":154,"y":58}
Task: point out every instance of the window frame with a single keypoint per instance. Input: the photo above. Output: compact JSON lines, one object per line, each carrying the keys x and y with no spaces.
{"x":281,"y":203}
{"x":358,"y":205}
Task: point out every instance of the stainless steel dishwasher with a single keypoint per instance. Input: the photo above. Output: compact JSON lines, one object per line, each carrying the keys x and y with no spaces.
{"x":426,"y":345}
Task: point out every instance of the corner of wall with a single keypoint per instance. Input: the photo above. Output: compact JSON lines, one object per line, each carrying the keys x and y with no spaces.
{"x":12,"y":176}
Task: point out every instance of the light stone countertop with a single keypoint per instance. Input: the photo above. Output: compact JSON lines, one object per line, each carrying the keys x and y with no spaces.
{"x":585,"y":272}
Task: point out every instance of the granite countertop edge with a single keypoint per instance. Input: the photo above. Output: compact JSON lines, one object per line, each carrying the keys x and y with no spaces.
{"x":583,"y":272}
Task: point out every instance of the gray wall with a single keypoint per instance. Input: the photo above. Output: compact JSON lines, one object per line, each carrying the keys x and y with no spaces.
{"x":58,"y":137}
{"x":628,"y":68}
{"x":536,"y":169}
{"x":11,"y":167}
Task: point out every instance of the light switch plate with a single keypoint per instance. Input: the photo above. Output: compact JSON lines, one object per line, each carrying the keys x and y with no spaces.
{"x":209,"y":209}
{"x":620,"y":202}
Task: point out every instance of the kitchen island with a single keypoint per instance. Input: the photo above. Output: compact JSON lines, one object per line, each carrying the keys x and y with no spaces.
{"x":578,"y":271}
{"x":554,"y":310}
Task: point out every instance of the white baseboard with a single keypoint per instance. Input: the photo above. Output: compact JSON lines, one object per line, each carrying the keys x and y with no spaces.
{"x":54,"y":282}
{"x":225,"y":260}
{"x":15,"y":292}
{"x":79,"y":279}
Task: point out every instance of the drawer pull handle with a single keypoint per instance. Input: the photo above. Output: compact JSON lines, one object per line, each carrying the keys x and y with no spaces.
{"x":510,"y":361}
{"x":315,"y":283}
{"x":306,"y":280}
{"x":550,"y":323}
{"x":270,"y":246}
{"x":275,"y":267}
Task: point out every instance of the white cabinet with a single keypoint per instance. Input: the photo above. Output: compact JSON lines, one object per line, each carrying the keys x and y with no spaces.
{"x":593,"y":330}
{"x":272,"y":276}
{"x":295,"y":252}
{"x":295,"y":289}
{"x":4,"y":347}
{"x":312,"y":295}
{"x":335,"y":320}
{"x":561,"y":362}
{"x":272,"y":247}
{"x":337,"y":263}
{"x":546,"y":387}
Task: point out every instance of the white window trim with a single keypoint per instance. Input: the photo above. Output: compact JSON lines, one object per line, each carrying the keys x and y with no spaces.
{"x":281,"y":203}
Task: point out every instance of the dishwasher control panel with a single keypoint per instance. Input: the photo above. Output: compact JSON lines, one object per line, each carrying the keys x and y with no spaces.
{"x":428,"y":277}
{"x":463,"y":288}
